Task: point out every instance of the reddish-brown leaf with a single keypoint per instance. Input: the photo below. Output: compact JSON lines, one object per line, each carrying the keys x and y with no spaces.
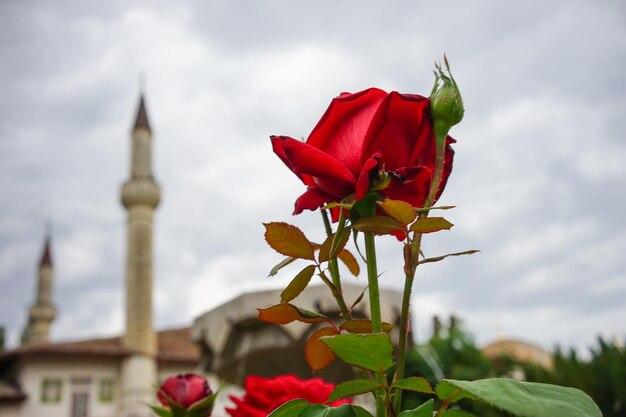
{"x":288,"y":240}
{"x":317,"y":353}
{"x":325,"y":254}
{"x":350,"y":261}
{"x":298,"y":284}
{"x":286,"y":313}
{"x":431,"y":224}
{"x":378,"y":224}
{"x":362,"y":326}
{"x":399,"y":210}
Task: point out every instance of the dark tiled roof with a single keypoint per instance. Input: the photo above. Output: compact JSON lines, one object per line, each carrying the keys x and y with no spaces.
{"x":142,"y":116}
{"x":46,"y":258}
{"x":10,"y":393}
{"x":174,"y":345}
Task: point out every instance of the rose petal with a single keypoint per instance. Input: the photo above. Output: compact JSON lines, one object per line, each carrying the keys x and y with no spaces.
{"x":447,"y":167}
{"x":312,"y":199}
{"x":363,"y":183}
{"x":278,"y":146}
{"x":342,"y":129}
{"x":397,"y":129}
{"x":409,"y":184}
{"x":331,"y":176}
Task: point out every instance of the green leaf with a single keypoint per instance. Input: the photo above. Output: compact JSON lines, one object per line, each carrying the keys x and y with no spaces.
{"x":160,"y":411}
{"x":424,"y":410}
{"x":290,"y":409}
{"x":361,"y":412}
{"x":455,"y":412}
{"x":378,"y":224}
{"x":321,"y":410}
{"x":281,"y":265}
{"x":450,"y":393}
{"x":298,"y":284}
{"x":335,"y":204}
{"x":414,"y":383}
{"x":527,"y":399}
{"x":325,"y":254}
{"x":368,"y":351}
{"x":430,"y":224}
{"x":355,"y":387}
{"x":286,"y":313}
{"x":442,"y":257}
{"x":427,"y":209}
{"x":288,"y":240}
{"x":399,"y":210}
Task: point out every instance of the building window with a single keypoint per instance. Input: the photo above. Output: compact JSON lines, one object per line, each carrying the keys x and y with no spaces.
{"x":106,"y":390}
{"x":51,"y":390}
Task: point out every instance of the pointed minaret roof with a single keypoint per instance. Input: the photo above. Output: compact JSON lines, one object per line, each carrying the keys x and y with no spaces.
{"x":46,"y":258}
{"x":141,"y":122}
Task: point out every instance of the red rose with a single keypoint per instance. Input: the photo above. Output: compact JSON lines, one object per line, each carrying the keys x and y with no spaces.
{"x":264,"y":395}
{"x":359,"y":136}
{"x":184,"y":389}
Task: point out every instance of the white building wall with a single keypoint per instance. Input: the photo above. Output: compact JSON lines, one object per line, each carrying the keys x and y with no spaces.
{"x":35,"y":370}
{"x":10,"y":410}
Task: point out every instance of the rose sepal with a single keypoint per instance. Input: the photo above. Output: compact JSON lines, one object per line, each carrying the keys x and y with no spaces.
{"x":175,"y":409}
{"x":160,"y":411}
{"x":446,"y":103}
{"x":204,"y":407}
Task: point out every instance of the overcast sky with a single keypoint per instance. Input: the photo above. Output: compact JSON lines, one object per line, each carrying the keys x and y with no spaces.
{"x":539,"y":176}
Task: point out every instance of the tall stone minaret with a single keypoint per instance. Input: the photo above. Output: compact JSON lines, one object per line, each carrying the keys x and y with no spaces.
{"x":140,"y":196}
{"x":42,"y":311}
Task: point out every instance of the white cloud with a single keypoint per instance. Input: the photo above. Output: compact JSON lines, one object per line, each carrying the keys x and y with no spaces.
{"x":536,"y":177}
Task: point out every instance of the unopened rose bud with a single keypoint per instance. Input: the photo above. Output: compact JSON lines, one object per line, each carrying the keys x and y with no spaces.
{"x":184,"y":390}
{"x":446,"y":104}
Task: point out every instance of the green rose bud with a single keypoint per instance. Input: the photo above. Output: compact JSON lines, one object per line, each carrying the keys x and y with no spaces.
{"x":446,"y":104}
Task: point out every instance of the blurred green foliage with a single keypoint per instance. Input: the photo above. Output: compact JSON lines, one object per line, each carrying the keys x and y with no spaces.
{"x":452,"y":353}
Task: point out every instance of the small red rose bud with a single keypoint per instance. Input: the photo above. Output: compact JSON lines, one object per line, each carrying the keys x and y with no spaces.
{"x":446,"y":104}
{"x":184,"y":390}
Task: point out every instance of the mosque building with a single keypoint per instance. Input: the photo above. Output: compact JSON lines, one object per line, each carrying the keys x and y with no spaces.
{"x":101,"y":377}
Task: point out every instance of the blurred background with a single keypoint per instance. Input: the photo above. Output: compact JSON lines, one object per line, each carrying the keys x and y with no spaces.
{"x":538,"y":176}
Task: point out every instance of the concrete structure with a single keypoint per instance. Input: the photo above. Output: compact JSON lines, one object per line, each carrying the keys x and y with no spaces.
{"x":235,"y":343}
{"x":42,"y":313}
{"x":519,"y":350}
{"x":140,"y":196}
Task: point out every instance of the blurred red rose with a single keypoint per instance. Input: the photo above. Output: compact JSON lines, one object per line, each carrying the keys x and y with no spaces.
{"x":184,"y":389}
{"x":264,"y":395}
{"x":360,"y":135}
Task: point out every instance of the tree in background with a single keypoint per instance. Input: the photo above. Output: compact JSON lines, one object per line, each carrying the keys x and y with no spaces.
{"x":452,"y":353}
{"x":603,"y":376}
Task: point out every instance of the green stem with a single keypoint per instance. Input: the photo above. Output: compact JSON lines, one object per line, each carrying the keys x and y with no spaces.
{"x":411,"y":253}
{"x":333,"y":266}
{"x":377,"y":326}
{"x":372,"y":281}
{"x":411,"y":260}
{"x":440,"y":152}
